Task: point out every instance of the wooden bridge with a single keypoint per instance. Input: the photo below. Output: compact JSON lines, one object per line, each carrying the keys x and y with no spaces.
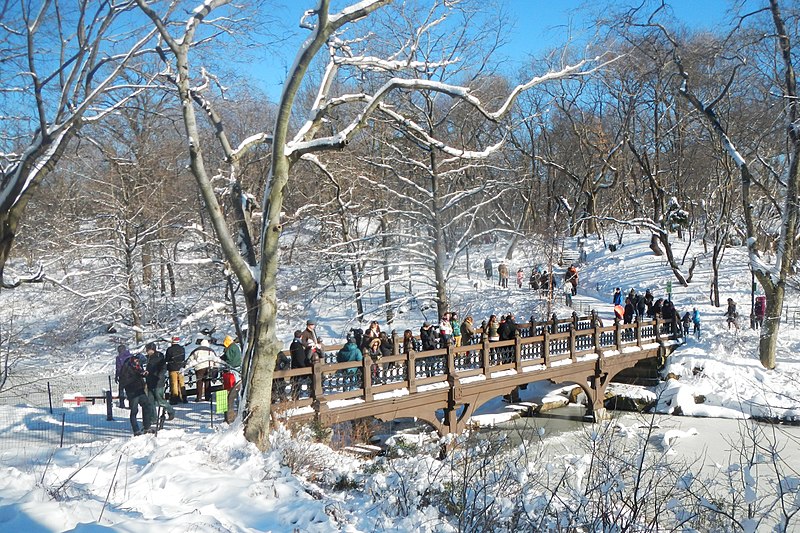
{"x":444,"y":386}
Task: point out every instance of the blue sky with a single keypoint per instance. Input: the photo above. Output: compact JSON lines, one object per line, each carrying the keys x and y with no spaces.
{"x":538,"y":26}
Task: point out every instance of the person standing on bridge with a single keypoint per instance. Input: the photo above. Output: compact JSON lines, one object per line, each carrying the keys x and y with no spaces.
{"x":487,"y":267}
{"x":427,"y":335}
{"x":491,"y":330}
{"x":312,"y":343}
{"x":467,"y":330}
{"x":445,"y":331}
{"x":456,"y":325}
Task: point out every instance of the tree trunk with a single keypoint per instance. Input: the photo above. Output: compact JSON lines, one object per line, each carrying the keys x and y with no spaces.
{"x":387,"y":287}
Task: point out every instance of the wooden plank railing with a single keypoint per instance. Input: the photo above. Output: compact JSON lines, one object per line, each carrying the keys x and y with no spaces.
{"x":556,"y":343}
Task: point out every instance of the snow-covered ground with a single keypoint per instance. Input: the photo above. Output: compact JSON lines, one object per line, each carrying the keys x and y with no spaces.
{"x":213,"y":480}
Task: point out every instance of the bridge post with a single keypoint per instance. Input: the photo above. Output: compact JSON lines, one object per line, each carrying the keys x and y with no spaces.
{"x":596,"y":326}
{"x":518,"y":353}
{"x":395,"y":343}
{"x":638,"y":331}
{"x":572,"y":341}
{"x":658,"y":329}
{"x":554,"y":324}
{"x":618,"y":334}
{"x":366,"y":366}
{"x":485,"y":356}
{"x":318,"y":394}
{"x":411,"y":371}
{"x":546,"y":347}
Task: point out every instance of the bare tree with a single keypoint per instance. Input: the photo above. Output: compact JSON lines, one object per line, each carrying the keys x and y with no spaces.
{"x":60,"y":71}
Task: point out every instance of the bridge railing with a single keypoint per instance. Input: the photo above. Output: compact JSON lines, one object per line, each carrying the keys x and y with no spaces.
{"x":557,"y":343}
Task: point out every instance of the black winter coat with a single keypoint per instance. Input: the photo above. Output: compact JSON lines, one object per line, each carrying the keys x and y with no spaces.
{"x":176,"y":357}
{"x":131,"y":377}
{"x":156,"y":371}
{"x":507,"y":330}
{"x":428,"y":338}
{"x":298,"y":353}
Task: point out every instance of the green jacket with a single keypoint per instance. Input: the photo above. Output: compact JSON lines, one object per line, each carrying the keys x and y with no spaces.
{"x":233,"y":356}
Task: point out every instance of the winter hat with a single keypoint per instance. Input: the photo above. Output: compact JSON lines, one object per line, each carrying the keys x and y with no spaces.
{"x":350,"y":338}
{"x":176,"y":339}
{"x":150,"y":346}
{"x":310,"y":323}
{"x":426,"y":324}
{"x":227,"y":341}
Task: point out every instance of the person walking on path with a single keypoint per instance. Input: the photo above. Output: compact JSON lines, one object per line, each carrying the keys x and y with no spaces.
{"x":696,"y":322}
{"x":123,"y":354}
{"x":520,"y":278}
{"x":156,"y":381}
{"x":487,"y":267}
{"x":502,"y":272}
{"x":131,"y":378}
{"x":176,"y":360}
{"x":617,"y":298}
{"x":731,"y":314}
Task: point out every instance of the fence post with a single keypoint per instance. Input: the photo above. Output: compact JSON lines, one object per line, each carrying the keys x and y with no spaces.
{"x":518,"y":353}
{"x":554,"y":324}
{"x":63,"y":417}
{"x":395,"y":343}
{"x":50,"y":397}
{"x":109,"y":406}
{"x":546,"y":347}
{"x":598,"y":348}
{"x":618,"y":334}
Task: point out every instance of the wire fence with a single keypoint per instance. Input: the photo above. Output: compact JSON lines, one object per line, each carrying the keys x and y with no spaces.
{"x":37,"y":415}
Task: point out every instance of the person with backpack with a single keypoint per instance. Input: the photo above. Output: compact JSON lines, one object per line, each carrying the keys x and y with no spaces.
{"x":156,"y":381}
{"x":176,"y":360}
{"x":123,"y":354}
{"x":132,"y":379}
{"x":687,"y":321}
